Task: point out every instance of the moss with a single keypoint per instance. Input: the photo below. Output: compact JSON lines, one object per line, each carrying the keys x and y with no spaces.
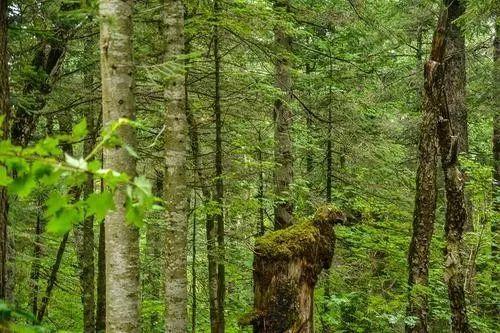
{"x":299,"y":238}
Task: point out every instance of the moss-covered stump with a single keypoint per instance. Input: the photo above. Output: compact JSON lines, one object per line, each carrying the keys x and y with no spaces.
{"x":286,"y":267}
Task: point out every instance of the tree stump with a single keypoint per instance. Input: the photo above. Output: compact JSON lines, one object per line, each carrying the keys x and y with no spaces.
{"x":286,"y":268}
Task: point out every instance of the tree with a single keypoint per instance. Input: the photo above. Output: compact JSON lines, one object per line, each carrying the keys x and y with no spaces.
{"x":122,"y":238}
{"x":425,"y":197}
{"x":176,"y":193}
{"x":5,"y":114}
{"x":283,"y":122}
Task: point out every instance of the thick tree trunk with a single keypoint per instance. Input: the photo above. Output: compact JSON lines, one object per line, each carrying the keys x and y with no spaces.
{"x":5,"y":111}
{"x":283,"y":156}
{"x":219,"y":184}
{"x":286,"y":268}
{"x":122,"y":238}
{"x":425,"y":198}
{"x":175,"y":190}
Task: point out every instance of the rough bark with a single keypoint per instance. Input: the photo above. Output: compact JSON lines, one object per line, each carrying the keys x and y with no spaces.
{"x":286,"y":268}
{"x":175,"y":191}
{"x":452,"y":134}
{"x":425,"y":197}
{"x":455,"y":73}
{"x":100,"y":319}
{"x":122,"y":238}
{"x":496,"y":145}
{"x":283,"y":174}
{"x":5,"y":111}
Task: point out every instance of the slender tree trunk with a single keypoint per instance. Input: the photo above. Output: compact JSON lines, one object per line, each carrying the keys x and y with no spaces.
{"x":35,"y":268}
{"x":456,"y":218}
{"x":209,"y":223}
{"x":496,"y":148}
{"x":425,"y":198}
{"x":194,"y":298}
{"x":122,"y":238}
{"x":261,"y":229}
{"x":85,"y":231}
{"x":176,"y":194}
{"x":455,"y":73}
{"x":329,"y":174}
{"x":283,"y":174}
{"x":100,"y":319}
{"x":219,"y":184}
{"x":52,"y":278}
{"x":5,"y":111}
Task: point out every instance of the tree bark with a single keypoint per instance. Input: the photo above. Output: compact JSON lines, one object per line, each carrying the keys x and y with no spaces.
{"x":176,"y":194}
{"x":122,"y":238}
{"x":100,"y":320}
{"x":219,"y":183}
{"x":496,"y":146}
{"x":283,"y":156}
{"x":286,"y":268}
{"x":425,"y":197}
{"x":5,"y":111}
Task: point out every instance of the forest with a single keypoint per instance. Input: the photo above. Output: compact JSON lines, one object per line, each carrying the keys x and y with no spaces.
{"x":266,"y":166}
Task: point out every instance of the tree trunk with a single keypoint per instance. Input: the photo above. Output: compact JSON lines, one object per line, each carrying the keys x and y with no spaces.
{"x":286,"y":267}
{"x":425,"y":198}
{"x":283,"y":174}
{"x":175,"y":190}
{"x":85,"y":231}
{"x":100,"y":319}
{"x":219,"y":184}
{"x":455,"y":73}
{"x":496,"y":148}
{"x":37,"y":254}
{"x":5,"y":111}
{"x":122,"y":238}
{"x":209,"y":223}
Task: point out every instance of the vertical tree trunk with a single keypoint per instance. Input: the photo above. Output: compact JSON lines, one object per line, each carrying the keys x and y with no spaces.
{"x":455,"y":74}
{"x":194,"y":298}
{"x":35,"y":268}
{"x":453,"y":139}
{"x":175,"y":192}
{"x":219,"y":184}
{"x":122,"y":238}
{"x":425,"y":198}
{"x":496,"y":145}
{"x":456,"y":218}
{"x":261,"y":229}
{"x":283,"y":174}
{"x":209,"y":223}
{"x":85,"y":231}
{"x":100,"y":319}
{"x":5,"y":111}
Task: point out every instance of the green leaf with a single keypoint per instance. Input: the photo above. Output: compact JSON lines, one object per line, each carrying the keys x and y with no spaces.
{"x":23,"y":185}
{"x":63,"y":220}
{"x":80,"y":130}
{"x":76,"y":163}
{"x":134,"y":214}
{"x":98,"y":204}
{"x":4,"y":177}
{"x":55,"y":203}
{"x":130,"y":150}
